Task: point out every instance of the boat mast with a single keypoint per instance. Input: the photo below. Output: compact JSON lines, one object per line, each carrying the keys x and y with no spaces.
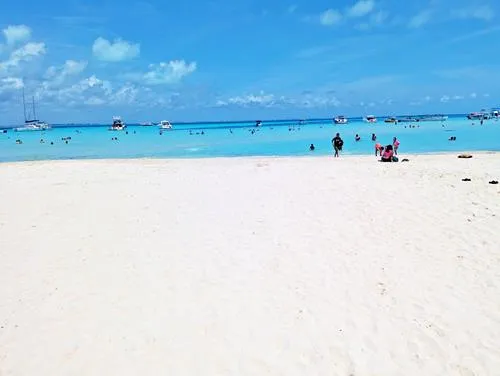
{"x":24,"y":106}
{"x":34,"y":112}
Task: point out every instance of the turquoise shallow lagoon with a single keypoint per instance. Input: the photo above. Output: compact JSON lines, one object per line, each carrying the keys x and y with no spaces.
{"x":284,"y":138}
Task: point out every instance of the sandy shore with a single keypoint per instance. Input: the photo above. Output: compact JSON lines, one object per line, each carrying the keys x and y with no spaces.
{"x":254,"y":266}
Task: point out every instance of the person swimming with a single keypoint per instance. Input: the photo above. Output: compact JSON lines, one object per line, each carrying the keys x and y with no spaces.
{"x":312,"y":147}
{"x":374,"y":137}
{"x":357,"y":138}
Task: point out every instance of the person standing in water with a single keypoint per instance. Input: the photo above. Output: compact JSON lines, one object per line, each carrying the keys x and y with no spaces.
{"x":395,"y":144}
{"x":337,"y":143}
{"x":374,"y":137}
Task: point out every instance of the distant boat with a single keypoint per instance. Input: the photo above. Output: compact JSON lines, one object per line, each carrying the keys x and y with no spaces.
{"x":147,"y":124}
{"x":432,"y":118}
{"x":391,"y":120}
{"x":258,"y":123}
{"x":370,"y":119}
{"x":32,"y":124}
{"x":406,"y":119}
{"x":495,"y":113}
{"x":165,"y":124}
{"x":340,"y":120}
{"x":118,"y":124}
{"x":482,"y":115}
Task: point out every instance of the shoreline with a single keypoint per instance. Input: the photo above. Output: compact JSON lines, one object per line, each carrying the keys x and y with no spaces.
{"x":311,"y":155}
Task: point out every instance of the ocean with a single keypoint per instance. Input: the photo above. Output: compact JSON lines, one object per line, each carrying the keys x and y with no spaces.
{"x":273,"y":138}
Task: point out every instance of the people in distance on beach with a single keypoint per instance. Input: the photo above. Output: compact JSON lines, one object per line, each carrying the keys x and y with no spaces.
{"x":374,"y":137}
{"x":452,"y":138}
{"x":42,"y":141}
{"x":312,"y":148}
{"x":378,"y":149}
{"x":337,"y":143}
{"x":357,"y":138}
{"x":395,"y":143}
{"x":19,"y":142}
{"x":388,"y":154}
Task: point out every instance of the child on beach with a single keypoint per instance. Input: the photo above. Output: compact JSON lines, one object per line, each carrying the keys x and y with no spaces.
{"x":378,"y":149}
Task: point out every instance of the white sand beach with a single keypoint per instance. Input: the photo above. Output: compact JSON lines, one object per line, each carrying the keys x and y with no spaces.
{"x":251,"y":266}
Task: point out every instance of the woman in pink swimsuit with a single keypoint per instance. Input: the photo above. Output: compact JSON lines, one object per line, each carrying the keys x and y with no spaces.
{"x":395,"y":144}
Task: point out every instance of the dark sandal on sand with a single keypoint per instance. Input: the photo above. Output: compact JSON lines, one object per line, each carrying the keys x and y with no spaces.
{"x":493,"y":182}
{"x":466,"y":179}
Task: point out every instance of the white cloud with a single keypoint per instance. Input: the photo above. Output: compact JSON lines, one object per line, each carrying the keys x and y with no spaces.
{"x":11,"y":83}
{"x":26,"y":53}
{"x":486,"y":95}
{"x":94,"y":101}
{"x":330,"y":17}
{"x":251,"y":99}
{"x":118,"y":50}
{"x":427,"y":98}
{"x":69,"y":68}
{"x":376,"y":19}
{"x":482,"y":12}
{"x":127,"y":94}
{"x":473,"y":95}
{"x":445,"y":99}
{"x":262,"y":99}
{"x":166,"y":73}
{"x":420,"y":19}
{"x":16,"y":33}
{"x":458,"y":97}
{"x":361,"y":8}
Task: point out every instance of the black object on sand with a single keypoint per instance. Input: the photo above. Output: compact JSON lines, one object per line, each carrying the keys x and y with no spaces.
{"x":466,"y":179}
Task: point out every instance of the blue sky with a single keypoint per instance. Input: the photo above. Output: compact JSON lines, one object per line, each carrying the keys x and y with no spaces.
{"x":86,"y":60}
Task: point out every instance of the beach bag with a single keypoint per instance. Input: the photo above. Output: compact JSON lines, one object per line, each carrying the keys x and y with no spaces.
{"x":395,"y":159}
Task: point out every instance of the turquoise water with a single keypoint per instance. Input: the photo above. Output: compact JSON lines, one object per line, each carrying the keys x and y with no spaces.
{"x":286,"y":138}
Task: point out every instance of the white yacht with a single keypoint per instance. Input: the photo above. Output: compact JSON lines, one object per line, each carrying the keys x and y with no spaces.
{"x":370,"y":119}
{"x":165,"y":124}
{"x":118,"y":124}
{"x":32,"y":124}
{"x":340,"y":120}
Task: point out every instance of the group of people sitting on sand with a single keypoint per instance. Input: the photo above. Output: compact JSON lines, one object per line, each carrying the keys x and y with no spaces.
{"x":388,"y":153}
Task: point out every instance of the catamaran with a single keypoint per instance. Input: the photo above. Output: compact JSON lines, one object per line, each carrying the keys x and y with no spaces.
{"x":32,"y":124}
{"x":118,"y":124}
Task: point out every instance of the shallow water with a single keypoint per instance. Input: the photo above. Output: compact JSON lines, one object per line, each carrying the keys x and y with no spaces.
{"x":237,"y":139}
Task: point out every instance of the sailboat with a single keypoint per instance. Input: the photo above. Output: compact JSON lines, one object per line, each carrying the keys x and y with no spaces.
{"x":32,"y":124}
